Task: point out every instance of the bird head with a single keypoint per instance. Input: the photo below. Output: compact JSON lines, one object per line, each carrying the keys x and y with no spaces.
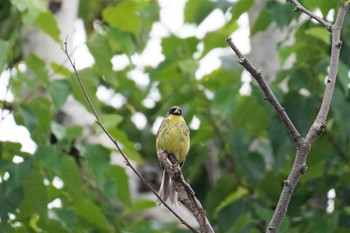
{"x":175,"y":110}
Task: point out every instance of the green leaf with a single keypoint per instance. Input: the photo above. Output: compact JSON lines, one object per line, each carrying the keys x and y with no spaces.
{"x":101,"y":51}
{"x":27,"y":117}
{"x":347,"y":210}
{"x":66,"y":133}
{"x":127,"y":146}
{"x":99,"y":160}
{"x":3,"y":50}
{"x":37,"y":66}
{"x":73,"y":132}
{"x":326,"y":6}
{"x":93,"y":214}
{"x":9,"y":149}
{"x":10,"y":199}
{"x":216,"y":39}
{"x":35,"y":201}
{"x":47,"y":23}
{"x":110,"y":121}
{"x":49,"y":156}
{"x":240,"y":192}
{"x":298,"y":80}
{"x":285,"y":52}
{"x":242,"y":223}
{"x":36,"y":116}
{"x":197,"y":11}
{"x":174,"y":47}
{"x":188,"y":66}
{"x":124,"y":16}
{"x":90,"y":81}
{"x":29,"y":4}
{"x":67,"y":217}
{"x":71,"y":177}
{"x":319,"y":33}
{"x":12,"y":192}
{"x":221,"y":189}
{"x":119,"y":180}
{"x":139,"y":206}
{"x":30,"y":9}
{"x":281,"y":13}
{"x":243,"y":109}
{"x":59,"y":91}
{"x":122,"y":42}
{"x":262,"y":212}
{"x":60,"y":69}
{"x":241,"y":7}
{"x":261,"y":22}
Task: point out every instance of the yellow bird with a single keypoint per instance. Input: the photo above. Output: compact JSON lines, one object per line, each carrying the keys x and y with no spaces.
{"x":173,"y":137}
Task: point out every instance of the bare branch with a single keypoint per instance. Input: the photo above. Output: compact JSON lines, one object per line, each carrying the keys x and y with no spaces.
{"x":299,"y":7}
{"x":303,"y":146}
{"x":257,"y":75}
{"x":299,"y":166}
{"x":319,"y":124}
{"x":115,"y":142}
{"x":186,"y":194}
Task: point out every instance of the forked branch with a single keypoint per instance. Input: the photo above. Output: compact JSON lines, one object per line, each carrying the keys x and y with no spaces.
{"x":303,"y":146}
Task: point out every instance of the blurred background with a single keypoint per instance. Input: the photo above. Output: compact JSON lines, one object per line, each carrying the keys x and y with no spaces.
{"x":60,"y":173}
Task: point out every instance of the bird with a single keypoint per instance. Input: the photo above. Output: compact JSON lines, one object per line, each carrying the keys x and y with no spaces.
{"x":173,"y":137}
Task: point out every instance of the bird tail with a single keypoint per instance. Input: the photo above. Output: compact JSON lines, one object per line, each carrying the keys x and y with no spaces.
{"x":167,"y":190}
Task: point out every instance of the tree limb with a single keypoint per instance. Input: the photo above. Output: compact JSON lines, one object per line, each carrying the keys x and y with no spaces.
{"x":269,"y":96}
{"x":299,"y":166}
{"x":299,"y":7}
{"x":185,"y":193}
{"x":303,"y":146}
{"x":115,"y":142}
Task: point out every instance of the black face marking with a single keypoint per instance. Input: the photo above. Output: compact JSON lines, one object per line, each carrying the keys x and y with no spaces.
{"x":175,"y":111}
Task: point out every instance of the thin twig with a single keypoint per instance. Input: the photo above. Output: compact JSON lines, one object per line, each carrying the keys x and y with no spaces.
{"x":299,"y":7}
{"x":127,"y":162}
{"x":269,"y":96}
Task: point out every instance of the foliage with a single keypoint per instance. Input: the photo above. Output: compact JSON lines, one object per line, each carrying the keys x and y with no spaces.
{"x":250,"y":145}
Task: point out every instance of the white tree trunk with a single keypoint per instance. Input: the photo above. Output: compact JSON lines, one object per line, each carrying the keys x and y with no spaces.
{"x":264,"y":44}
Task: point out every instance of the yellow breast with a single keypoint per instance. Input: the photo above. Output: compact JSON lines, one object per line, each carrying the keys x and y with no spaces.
{"x":173,"y":137}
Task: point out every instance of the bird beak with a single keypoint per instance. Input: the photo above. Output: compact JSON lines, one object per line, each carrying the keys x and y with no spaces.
{"x":177,"y":111}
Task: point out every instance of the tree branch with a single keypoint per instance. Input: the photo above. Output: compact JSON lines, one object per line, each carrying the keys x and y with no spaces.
{"x":185,"y":192}
{"x":115,"y":142}
{"x":299,"y":7}
{"x":299,"y":166}
{"x":303,"y":146}
{"x":319,"y":123}
{"x":269,"y":96}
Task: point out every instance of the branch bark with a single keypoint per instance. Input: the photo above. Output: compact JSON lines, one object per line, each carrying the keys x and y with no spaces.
{"x":269,"y":96}
{"x":303,"y":146}
{"x":185,"y":193}
{"x":299,"y":7}
{"x":299,"y":166}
